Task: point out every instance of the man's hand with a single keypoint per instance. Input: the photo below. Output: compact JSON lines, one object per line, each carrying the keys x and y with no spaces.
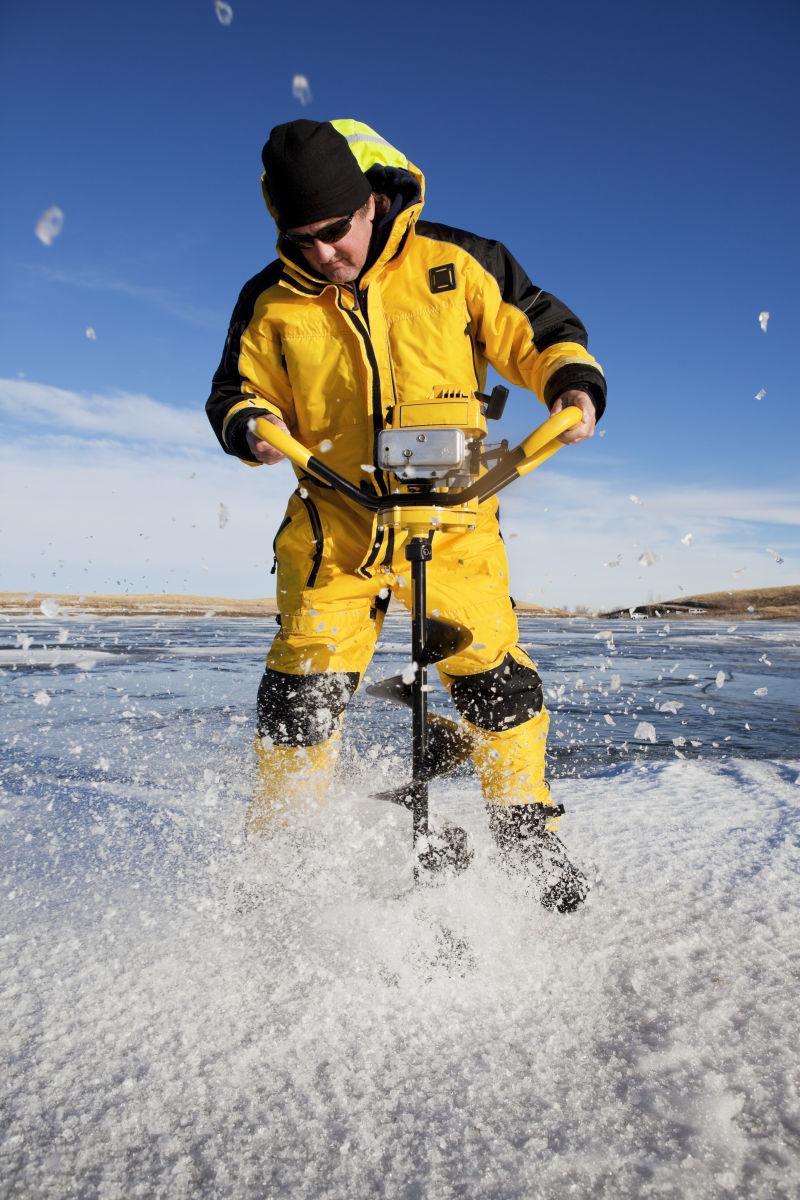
{"x":263,"y":451}
{"x":582,"y":400}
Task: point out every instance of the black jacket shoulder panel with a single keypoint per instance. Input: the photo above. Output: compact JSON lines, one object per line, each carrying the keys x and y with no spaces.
{"x":267,"y":278}
{"x":227,"y":384}
{"x":551,"y":321}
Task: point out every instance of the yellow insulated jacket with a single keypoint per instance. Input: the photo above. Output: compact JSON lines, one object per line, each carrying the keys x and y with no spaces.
{"x":434,"y":305}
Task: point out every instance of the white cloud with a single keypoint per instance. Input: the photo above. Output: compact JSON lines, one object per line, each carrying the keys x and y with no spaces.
{"x":162,"y":298}
{"x":136,"y":510}
{"x":123,"y":492}
{"x":561,"y":556}
{"x":121,"y":416}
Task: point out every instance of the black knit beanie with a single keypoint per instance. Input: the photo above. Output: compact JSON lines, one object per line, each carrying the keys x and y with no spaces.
{"x":311,"y":173}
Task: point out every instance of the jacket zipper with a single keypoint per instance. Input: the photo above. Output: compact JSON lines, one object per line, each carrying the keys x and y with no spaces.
{"x":468,"y":332}
{"x":359,"y":306}
{"x":286,"y":521}
{"x":319,"y":538}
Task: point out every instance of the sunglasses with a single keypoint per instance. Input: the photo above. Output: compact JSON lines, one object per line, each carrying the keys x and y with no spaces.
{"x":328,"y":234}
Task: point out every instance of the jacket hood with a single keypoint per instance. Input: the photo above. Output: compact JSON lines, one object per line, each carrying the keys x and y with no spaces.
{"x":390,"y":173}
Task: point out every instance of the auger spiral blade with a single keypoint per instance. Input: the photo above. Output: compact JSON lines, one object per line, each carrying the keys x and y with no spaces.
{"x":447,"y":747}
{"x":443,"y":639}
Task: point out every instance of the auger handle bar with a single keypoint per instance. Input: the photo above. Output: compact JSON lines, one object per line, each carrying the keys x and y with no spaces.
{"x":532,"y":451}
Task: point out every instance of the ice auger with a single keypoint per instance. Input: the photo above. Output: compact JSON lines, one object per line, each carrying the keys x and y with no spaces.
{"x":434,"y":450}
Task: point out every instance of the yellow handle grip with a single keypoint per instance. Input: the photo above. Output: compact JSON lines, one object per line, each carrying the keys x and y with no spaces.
{"x":281,"y":440}
{"x":544,"y":441}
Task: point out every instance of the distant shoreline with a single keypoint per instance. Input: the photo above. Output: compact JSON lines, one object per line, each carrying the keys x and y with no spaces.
{"x":754,"y":604}
{"x":153,"y":604}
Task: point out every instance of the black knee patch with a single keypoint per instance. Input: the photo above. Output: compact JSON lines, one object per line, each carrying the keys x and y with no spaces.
{"x":302,"y":710}
{"x":499,"y":699}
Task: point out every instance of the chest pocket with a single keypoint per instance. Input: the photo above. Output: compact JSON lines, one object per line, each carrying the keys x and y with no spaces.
{"x":429,"y":347}
{"x":323,"y":378}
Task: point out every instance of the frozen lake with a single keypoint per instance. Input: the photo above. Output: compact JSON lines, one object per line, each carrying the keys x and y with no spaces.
{"x":158,"y":1041}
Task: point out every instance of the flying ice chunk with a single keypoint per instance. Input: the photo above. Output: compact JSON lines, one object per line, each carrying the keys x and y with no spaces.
{"x":761,"y":394}
{"x":774,"y":553}
{"x":720,"y":680}
{"x":383,"y":593}
{"x":609,"y":720}
{"x":616,"y":683}
{"x":90,"y":333}
{"x":41,"y":697}
{"x":325,"y":446}
{"x":301,"y":89}
{"x":635,"y":499}
{"x":223,"y":516}
{"x":409,"y":674}
{"x":670,"y":706}
{"x":49,"y":608}
{"x":49,"y":225}
{"x":614,"y":561}
{"x":760,"y":691}
{"x":763,"y":318}
{"x":645,"y":732}
{"x":224,"y":12}
{"x":687,"y":539}
{"x":679,"y":741}
{"x":647,"y":559}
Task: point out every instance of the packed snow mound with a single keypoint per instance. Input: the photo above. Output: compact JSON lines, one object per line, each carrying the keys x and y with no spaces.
{"x":190,"y":1017}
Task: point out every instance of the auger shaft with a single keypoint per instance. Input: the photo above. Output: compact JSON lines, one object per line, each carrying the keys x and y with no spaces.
{"x":418,"y":553}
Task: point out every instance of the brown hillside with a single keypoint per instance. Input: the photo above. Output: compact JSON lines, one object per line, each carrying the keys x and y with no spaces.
{"x":758,"y":604}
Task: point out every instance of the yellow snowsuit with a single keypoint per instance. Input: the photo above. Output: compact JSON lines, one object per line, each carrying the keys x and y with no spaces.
{"x":433,"y":307}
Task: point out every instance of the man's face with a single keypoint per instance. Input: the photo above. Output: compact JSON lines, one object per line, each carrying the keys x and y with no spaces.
{"x":341,"y":261}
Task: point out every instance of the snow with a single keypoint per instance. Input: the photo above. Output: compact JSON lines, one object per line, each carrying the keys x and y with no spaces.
{"x":187,"y":1017}
{"x":224,"y":12}
{"x":49,"y":225}
{"x":301,"y":89}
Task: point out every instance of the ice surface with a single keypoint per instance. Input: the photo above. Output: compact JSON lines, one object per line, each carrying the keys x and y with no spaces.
{"x":182,"y":1019}
{"x":49,"y":225}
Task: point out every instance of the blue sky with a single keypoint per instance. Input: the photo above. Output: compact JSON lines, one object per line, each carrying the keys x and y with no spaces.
{"x":638,"y":159}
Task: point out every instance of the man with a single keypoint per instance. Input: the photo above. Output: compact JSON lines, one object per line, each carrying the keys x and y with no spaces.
{"x":366,"y":303}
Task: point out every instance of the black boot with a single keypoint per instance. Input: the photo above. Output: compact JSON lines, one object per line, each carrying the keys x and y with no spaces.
{"x":526,"y":846}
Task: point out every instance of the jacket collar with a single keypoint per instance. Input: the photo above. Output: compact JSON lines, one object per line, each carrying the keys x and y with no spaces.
{"x":410,"y":187}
